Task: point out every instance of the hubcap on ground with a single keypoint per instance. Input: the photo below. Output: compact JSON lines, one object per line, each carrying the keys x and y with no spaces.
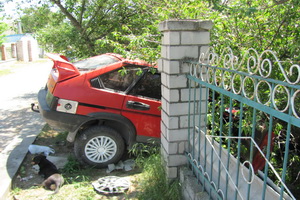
{"x":111,"y":185}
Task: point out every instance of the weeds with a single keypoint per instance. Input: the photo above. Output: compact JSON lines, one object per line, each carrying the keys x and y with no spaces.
{"x":142,"y":151}
{"x":72,"y":166}
{"x":153,"y":182}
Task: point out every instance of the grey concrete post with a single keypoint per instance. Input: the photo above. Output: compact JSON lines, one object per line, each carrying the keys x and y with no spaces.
{"x":181,"y":39}
{"x":33,"y":51}
{"x":13,"y":50}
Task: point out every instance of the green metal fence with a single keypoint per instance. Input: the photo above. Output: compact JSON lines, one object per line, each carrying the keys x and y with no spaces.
{"x":245,"y":114}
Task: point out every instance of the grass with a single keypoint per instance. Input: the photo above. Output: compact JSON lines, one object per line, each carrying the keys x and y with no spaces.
{"x":5,"y":72}
{"x":153,"y":182}
{"x":148,"y":179}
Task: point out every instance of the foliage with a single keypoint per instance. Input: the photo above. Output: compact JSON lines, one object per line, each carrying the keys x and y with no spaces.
{"x":260,"y":25}
{"x":154,"y":183}
{"x":82,"y":28}
{"x":142,"y":151}
{"x":3,"y":28}
{"x":72,"y":166}
{"x":85,"y":28}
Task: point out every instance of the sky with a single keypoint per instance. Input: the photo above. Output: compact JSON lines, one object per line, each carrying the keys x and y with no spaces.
{"x":10,"y":8}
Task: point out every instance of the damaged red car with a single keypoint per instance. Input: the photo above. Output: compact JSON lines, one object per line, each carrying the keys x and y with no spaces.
{"x":106,"y":103}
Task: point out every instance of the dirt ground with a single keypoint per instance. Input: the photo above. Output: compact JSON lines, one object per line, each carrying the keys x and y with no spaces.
{"x":27,"y":177}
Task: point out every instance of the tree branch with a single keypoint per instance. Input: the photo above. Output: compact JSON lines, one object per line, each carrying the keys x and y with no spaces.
{"x":68,"y":14}
{"x":76,"y":24}
{"x":82,"y":11}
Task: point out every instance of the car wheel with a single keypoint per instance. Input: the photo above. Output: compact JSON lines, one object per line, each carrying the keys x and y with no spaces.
{"x":99,"y":146}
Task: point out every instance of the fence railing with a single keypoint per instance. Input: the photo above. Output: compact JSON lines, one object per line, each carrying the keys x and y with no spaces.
{"x":245,"y":140}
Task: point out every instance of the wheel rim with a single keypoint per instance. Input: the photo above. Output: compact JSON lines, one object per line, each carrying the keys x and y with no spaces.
{"x":100,"y":149}
{"x":111,"y":185}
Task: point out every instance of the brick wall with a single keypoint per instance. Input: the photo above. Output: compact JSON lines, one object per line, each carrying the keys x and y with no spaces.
{"x":182,"y":39}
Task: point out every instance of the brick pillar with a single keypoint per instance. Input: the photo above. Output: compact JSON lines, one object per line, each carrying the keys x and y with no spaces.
{"x":181,"y":39}
{"x":22,"y":50}
{"x":3,"y":52}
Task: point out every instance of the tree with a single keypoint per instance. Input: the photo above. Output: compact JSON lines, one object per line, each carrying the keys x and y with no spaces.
{"x":37,"y":18}
{"x":3,"y":28}
{"x":102,"y":24}
{"x":261,"y":25}
{"x":130,"y":27}
{"x":93,"y":27}
{"x":3,"y":25}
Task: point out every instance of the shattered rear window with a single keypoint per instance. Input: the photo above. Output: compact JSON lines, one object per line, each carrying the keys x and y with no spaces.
{"x":95,"y":62}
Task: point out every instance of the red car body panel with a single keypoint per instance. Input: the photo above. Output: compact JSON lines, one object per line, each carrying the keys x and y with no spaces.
{"x":67,"y":82}
{"x":147,"y":122}
{"x":66,"y":70}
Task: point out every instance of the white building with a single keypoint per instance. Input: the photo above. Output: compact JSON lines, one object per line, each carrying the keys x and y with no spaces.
{"x":22,"y":47}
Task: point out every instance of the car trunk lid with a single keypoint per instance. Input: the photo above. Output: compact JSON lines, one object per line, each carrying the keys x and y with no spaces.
{"x":61,"y":70}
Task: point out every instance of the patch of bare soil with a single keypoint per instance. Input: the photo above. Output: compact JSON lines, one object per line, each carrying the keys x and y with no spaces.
{"x":78,"y":179}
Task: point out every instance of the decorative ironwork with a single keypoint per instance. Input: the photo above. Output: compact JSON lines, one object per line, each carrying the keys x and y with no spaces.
{"x":252,"y":77}
{"x":255,"y":62}
{"x":257,"y":82}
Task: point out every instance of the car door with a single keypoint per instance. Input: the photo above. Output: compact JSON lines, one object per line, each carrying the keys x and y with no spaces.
{"x":107,"y":91}
{"x":142,"y":105}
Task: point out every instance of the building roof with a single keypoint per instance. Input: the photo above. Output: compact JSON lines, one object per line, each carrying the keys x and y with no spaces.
{"x":15,"y":38}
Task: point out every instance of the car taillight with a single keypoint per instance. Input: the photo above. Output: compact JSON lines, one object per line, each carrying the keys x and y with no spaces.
{"x":49,"y":99}
{"x":52,"y":80}
{"x":67,"y":106}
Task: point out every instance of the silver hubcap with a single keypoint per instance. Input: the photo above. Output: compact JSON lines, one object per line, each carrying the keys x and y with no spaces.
{"x":111,"y":185}
{"x":100,"y":149}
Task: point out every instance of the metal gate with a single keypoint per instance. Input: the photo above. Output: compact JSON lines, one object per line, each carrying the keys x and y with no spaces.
{"x":244,"y":140}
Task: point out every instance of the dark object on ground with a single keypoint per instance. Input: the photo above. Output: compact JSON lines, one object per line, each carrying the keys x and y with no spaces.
{"x":53,"y":179}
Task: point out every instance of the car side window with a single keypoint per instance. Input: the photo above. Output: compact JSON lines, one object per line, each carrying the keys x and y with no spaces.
{"x":148,"y":86}
{"x":118,"y":80}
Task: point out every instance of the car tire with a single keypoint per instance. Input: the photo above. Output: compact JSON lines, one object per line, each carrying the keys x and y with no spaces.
{"x":99,"y":146}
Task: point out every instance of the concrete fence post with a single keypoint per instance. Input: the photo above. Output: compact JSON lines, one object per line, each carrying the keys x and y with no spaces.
{"x":181,"y":39}
{"x":33,"y":51}
{"x":13,"y":50}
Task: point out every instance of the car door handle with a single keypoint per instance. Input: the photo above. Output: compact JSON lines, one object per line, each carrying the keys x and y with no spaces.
{"x":137,"y":105}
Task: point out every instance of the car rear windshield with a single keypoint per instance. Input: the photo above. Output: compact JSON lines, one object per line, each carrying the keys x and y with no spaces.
{"x":95,"y":62}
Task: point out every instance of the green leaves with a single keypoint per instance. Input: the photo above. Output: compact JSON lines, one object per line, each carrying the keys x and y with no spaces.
{"x":3,"y":28}
{"x":261,"y":25}
{"x":130,"y":27}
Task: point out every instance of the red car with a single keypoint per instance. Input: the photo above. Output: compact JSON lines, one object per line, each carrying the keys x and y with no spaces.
{"x":106,"y":103}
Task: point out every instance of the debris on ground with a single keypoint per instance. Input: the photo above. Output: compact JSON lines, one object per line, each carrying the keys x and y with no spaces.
{"x":24,"y":178}
{"x":37,"y":149}
{"x":127,"y":165}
